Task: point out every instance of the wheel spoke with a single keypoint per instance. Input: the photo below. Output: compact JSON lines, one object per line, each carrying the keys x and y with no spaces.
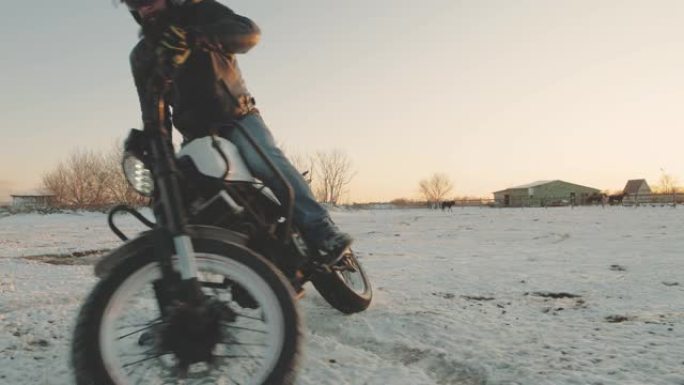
{"x":145,"y":359}
{"x":244,"y":328}
{"x":237,"y":343}
{"x":135,"y":368}
{"x":145,"y":353}
{"x":139,"y":330}
{"x":243,"y":347}
{"x":247,"y":369}
{"x":154,"y":321}
{"x":253,"y":357}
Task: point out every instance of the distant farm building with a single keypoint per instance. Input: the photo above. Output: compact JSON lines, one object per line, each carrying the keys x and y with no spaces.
{"x":545,"y":193}
{"x":32,"y":200}
{"x":636,"y":191}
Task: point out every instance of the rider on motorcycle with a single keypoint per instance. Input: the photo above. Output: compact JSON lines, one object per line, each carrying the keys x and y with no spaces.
{"x":196,"y":41}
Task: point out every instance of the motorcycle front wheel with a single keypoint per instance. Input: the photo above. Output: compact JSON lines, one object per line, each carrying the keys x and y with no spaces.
{"x":121,"y":338}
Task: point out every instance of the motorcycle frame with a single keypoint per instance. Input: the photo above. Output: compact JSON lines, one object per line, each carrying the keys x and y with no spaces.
{"x":289,"y":204}
{"x":171,"y":236}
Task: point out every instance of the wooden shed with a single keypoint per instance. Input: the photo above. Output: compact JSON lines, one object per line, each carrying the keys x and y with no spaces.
{"x":636,"y":191}
{"x":32,"y":200}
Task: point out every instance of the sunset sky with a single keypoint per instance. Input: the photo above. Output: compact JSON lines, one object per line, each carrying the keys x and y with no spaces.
{"x":493,"y":93}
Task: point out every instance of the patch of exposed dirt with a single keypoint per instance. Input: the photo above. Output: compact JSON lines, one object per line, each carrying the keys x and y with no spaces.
{"x":86,"y":257}
{"x":618,"y":318}
{"x":618,"y":268}
{"x":477,"y":298}
{"x":548,"y":294}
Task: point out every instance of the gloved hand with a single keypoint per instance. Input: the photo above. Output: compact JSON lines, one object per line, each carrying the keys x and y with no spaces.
{"x":173,"y":49}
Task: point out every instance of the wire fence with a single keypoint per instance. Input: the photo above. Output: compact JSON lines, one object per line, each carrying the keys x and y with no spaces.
{"x":636,"y":200}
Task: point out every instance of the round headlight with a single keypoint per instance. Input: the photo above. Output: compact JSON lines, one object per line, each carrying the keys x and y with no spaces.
{"x":139,"y":176}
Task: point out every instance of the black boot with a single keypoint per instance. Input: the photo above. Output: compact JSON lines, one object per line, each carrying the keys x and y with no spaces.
{"x":328,"y":242}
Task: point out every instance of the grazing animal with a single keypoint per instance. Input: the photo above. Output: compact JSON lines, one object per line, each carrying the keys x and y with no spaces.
{"x":595,"y":199}
{"x":447,"y":205}
{"x":615,"y":199}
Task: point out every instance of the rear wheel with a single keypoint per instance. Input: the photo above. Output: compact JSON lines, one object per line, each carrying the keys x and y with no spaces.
{"x":121,"y":337}
{"x":347,"y":287}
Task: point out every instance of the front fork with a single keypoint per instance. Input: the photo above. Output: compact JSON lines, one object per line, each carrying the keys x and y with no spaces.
{"x":187,"y":263}
{"x":179,"y":283}
{"x":172,"y":237}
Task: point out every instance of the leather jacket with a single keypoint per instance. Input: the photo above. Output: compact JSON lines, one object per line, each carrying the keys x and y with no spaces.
{"x":208,"y":89}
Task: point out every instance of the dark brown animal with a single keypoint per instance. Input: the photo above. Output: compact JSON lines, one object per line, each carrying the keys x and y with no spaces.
{"x":447,"y":205}
{"x":615,"y":199}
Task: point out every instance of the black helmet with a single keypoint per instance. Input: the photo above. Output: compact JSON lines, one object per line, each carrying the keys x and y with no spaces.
{"x":132,"y":4}
{"x":138,"y":3}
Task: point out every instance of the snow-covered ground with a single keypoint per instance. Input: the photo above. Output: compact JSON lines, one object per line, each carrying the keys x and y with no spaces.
{"x":467,"y":297}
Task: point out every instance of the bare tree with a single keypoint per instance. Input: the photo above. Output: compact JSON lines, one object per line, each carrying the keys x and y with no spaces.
{"x":667,"y":183}
{"x":90,"y":179}
{"x":79,"y":181}
{"x":56,"y":182}
{"x":305,"y":164}
{"x":333,"y":173}
{"x":435,"y":188}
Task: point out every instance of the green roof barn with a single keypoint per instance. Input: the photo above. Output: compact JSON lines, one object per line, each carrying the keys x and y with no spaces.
{"x":545,"y":193}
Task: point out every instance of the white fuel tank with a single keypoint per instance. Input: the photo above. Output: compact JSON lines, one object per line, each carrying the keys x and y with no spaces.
{"x":210,"y":163}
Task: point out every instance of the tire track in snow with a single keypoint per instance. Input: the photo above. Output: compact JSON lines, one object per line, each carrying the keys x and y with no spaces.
{"x":359,"y":332}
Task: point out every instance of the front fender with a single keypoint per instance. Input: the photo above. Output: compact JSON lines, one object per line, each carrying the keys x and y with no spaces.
{"x":144,"y":243}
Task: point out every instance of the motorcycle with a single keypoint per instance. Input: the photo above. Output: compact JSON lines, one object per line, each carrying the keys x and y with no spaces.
{"x":207,"y":295}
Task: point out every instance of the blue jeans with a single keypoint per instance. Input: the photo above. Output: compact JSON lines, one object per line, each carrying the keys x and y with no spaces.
{"x":307,"y":211}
